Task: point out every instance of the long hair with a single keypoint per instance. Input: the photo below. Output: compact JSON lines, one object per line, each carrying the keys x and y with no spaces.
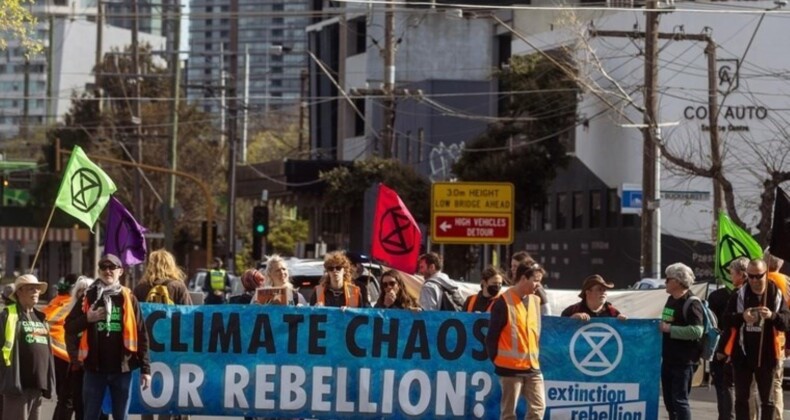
{"x":78,"y":291}
{"x":162,"y":266}
{"x":276,"y":258}
{"x":337,"y":258}
{"x":402,"y":297}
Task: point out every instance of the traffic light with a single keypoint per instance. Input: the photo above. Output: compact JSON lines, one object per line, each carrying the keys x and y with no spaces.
{"x":260,"y":229}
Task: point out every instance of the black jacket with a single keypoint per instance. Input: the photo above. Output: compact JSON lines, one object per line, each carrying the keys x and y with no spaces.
{"x":10,"y":382}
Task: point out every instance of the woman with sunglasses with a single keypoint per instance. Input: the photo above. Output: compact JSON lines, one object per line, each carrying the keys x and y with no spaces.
{"x":393,"y":293}
{"x":336,"y":287}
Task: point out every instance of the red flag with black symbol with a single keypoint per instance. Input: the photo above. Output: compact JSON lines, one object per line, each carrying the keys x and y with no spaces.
{"x":396,"y":236}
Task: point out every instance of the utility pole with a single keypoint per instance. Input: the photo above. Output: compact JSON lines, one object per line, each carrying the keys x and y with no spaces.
{"x":137,"y":113}
{"x":99,"y":31}
{"x":713,"y":105}
{"x":651,"y":216}
{"x":175,"y":63}
{"x":245,"y":112}
{"x":388,"y":122}
{"x":232,"y":133}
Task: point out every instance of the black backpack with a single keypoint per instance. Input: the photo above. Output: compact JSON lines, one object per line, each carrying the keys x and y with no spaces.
{"x":451,"y":299}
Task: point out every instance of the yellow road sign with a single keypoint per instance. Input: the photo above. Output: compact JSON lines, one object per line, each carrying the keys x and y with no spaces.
{"x":472,"y":212}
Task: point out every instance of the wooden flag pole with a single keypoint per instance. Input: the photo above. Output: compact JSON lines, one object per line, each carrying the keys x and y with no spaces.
{"x":41,"y":241}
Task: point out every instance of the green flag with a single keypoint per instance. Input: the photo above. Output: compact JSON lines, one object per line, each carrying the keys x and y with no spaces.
{"x":733,"y":242}
{"x":85,"y":189}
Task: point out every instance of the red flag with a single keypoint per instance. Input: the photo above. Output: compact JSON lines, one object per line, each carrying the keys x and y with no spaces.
{"x":396,"y":236}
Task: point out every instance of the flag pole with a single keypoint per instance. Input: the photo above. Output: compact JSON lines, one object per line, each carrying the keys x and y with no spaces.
{"x":43,"y":238}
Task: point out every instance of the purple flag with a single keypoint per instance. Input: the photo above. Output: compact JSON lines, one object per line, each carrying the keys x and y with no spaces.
{"x":124,"y":235}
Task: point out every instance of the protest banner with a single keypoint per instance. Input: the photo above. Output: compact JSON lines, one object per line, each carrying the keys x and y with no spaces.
{"x":295,"y":362}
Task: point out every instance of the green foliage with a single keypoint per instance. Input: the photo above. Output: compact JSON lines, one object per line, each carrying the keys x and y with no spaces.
{"x":17,"y":22}
{"x":346,"y":185}
{"x":285,"y":234}
{"x":527,"y":149}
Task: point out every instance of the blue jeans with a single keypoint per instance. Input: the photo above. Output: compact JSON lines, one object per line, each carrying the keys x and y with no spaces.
{"x":676,"y":386}
{"x":94,"y":386}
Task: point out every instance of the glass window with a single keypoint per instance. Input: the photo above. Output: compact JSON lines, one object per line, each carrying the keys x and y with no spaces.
{"x":562,"y":211}
{"x":578,"y":210}
{"x":545,"y":216}
{"x":596,"y":209}
{"x":612,"y":207}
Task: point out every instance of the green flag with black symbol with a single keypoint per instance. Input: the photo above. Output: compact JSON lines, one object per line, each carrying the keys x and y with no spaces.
{"x":733,"y":242}
{"x":85,"y":189}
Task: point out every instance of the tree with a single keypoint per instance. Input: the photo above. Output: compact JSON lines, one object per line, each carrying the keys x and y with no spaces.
{"x":528,"y":145}
{"x":111,"y":132}
{"x":346,"y":185}
{"x":17,"y":22}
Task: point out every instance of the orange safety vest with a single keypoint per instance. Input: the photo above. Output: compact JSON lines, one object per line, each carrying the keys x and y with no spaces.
{"x":779,"y":336}
{"x":56,"y":312}
{"x":470,"y":306}
{"x":129,"y":325}
{"x":351,"y":291}
{"x":518,"y":341}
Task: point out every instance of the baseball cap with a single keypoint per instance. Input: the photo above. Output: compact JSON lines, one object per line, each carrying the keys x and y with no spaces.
{"x":110,"y":258}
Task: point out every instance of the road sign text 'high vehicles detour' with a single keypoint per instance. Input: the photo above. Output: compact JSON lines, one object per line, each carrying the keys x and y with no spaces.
{"x":472,"y":213}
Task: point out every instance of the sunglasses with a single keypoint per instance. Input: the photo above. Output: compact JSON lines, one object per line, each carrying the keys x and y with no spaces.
{"x":755,"y":276}
{"x":389,"y":283}
{"x":107,"y":267}
{"x":334,"y":268}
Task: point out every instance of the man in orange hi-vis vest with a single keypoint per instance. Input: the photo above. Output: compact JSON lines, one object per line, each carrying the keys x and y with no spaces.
{"x":782,"y":283}
{"x":56,"y":312}
{"x":512,"y":344}
{"x":114,"y":341}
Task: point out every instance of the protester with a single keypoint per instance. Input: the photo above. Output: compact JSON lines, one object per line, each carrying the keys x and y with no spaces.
{"x":593,"y":303}
{"x":8,"y":291}
{"x":114,"y":341}
{"x":277,"y":276}
{"x":512,"y":344}
{"x":720,"y":366}
{"x":394,"y":294}
{"x":757,"y":317}
{"x":251,"y":280}
{"x":363,"y":278}
{"x":76,"y":373}
{"x":781,"y":281}
{"x":490,"y":286}
{"x":682,"y":326}
{"x":217,"y":285}
{"x":161,"y":269}
{"x":524,"y":257}
{"x":27,"y":373}
{"x":336,"y":288}
{"x":429,"y":266}
{"x":55,"y":312}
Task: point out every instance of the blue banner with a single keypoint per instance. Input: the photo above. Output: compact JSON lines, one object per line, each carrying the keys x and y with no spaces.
{"x":292,"y":362}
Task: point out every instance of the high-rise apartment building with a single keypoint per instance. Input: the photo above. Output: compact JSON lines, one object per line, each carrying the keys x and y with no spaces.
{"x":269,"y":32}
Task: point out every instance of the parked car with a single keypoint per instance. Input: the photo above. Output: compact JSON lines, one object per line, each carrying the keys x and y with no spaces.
{"x":196,"y":283}
{"x":648,"y":283}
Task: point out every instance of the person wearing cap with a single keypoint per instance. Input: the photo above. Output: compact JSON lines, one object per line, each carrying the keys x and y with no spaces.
{"x":218,"y":285}
{"x":27,"y":372}
{"x":593,"y":303}
{"x":56,"y":312}
{"x":114,"y":341}
{"x":682,"y":328}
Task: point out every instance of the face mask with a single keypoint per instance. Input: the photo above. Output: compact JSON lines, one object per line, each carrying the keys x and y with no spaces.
{"x":494,"y":289}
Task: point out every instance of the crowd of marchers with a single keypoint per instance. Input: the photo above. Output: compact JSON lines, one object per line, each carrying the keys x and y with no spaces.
{"x":87,"y":341}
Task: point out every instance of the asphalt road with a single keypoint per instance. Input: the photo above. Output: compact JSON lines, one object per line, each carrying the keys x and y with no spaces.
{"x":703,"y":407}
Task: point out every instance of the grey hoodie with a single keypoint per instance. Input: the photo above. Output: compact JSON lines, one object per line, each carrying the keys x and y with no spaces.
{"x":431,"y":292}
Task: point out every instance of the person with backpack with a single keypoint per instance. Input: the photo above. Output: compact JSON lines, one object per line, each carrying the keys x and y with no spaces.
{"x":336,"y":287}
{"x":757,"y":318}
{"x":438,"y":292}
{"x":163,"y":281}
{"x":681,"y":348}
{"x":490,"y":287}
{"x":593,"y":303}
